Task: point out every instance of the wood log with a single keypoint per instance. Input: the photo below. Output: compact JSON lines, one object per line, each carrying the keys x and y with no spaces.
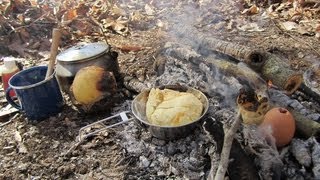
{"x":270,"y":66}
{"x":255,"y":58}
{"x":134,"y":84}
{"x":280,"y":73}
{"x":305,"y":127}
{"x":311,"y":82}
{"x":252,"y":56}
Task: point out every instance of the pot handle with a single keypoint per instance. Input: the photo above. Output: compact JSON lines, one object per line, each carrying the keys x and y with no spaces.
{"x":124,"y":119}
{"x":10,"y":100}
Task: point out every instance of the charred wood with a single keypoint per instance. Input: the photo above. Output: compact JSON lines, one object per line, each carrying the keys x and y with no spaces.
{"x":255,"y":58}
{"x":134,"y":84}
{"x":268,"y":65}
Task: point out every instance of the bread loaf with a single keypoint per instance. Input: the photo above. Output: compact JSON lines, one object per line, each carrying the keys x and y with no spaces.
{"x":172,"y":108}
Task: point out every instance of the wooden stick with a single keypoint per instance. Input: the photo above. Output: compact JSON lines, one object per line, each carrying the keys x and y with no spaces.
{"x":227,"y":144}
{"x":56,"y":35}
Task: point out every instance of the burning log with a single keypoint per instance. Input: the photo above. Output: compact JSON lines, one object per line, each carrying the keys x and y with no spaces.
{"x":280,"y":74}
{"x":270,"y":66}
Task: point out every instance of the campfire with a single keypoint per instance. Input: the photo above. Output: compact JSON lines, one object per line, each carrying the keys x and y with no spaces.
{"x":151,"y":92}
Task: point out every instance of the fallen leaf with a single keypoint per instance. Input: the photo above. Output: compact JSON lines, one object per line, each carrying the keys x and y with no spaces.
{"x":116,"y":11}
{"x":69,"y":15}
{"x":149,"y":10}
{"x":136,"y":16}
{"x":128,"y":48}
{"x":119,"y":26}
{"x":289,"y":25}
{"x":17,"y":136}
{"x":22,"y":148}
{"x":252,"y":10}
{"x":251,"y":27}
{"x":303,"y":31}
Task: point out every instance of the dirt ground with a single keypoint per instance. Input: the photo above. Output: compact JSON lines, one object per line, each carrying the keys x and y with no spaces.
{"x":138,"y":31}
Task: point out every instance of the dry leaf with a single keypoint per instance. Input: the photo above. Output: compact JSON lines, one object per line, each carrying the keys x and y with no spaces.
{"x":289,"y":25}
{"x":119,"y":26}
{"x":33,"y":3}
{"x":128,"y":48}
{"x":251,"y":27}
{"x":303,"y":31}
{"x":69,"y":15}
{"x":17,"y":136}
{"x":136,"y":16}
{"x":116,"y":11}
{"x":22,"y":148}
{"x":252,"y":10}
{"x":149,"y":10}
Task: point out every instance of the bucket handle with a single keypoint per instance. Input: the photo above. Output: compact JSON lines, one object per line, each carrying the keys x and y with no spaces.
{"x":10,"y":100}
{"x":124,"y":119}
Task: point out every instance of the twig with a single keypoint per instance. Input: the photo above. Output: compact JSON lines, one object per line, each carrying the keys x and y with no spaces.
{"x":8,"y":122}
{"x":93,"y":20}
{"x":73,"y":147}
{"x":28,"y":25}
{"x":227,"y":143}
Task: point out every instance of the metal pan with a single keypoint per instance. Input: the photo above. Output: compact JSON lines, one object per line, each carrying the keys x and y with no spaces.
{"x":138,"y":109}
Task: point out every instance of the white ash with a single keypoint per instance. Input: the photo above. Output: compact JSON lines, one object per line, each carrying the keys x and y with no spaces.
{"x":301,"y":152}
{"x":178,"y":72}
{"x":183,"y":158}
{"x":315,"y":157}
{"x":266,"y":157}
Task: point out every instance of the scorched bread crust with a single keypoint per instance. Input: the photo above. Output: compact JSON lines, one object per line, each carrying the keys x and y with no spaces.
{"x":172,"y":108}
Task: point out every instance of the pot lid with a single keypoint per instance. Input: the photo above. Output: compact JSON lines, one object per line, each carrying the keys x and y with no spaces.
{"x":83,"y":51}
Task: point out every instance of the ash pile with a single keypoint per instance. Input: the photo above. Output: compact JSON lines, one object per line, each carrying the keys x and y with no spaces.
{"x":197,"y":155}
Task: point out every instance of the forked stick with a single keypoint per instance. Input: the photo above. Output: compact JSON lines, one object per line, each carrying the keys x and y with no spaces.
{"x":227,"y":144}
{"x":56,"y":35}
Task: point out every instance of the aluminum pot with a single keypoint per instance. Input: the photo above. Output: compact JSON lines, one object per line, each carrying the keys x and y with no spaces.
{"x":71,"y":60}
{"x":138,"y":109}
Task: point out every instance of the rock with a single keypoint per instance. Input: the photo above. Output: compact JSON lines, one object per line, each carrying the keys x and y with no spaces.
{"x":23,"y":167}
{"x":182,"y":148}
{"x":172,"y":148}
{"x":66,"y":170}
{"x":158,"y":142}
{"x":82,"y":169}
{"x":144,"y":162}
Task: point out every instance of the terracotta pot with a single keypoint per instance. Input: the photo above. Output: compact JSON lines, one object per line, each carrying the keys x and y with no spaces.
{"x":279,"y":123}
